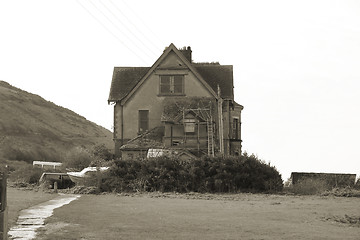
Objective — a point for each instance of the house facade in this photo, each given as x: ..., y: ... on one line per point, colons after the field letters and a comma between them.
x: 191, y: 106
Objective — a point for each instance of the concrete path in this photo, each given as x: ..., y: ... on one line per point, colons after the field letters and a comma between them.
x: 34, y: 217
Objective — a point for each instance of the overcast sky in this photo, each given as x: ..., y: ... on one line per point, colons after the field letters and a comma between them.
x: 296, y: 64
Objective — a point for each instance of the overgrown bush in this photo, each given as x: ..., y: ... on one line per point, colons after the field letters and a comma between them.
x: 233, y: 174
x: 102, y: 152
x: 26, y: 174
x: 78, y: 158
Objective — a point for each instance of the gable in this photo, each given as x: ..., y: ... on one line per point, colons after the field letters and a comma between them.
x: 172, y: 61
x: 126, y: 80
x: 190, y: 114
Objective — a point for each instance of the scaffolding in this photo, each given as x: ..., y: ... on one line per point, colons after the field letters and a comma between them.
x: 204, y: 113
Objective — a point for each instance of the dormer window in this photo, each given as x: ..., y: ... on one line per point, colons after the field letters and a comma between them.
x: 172, y: 84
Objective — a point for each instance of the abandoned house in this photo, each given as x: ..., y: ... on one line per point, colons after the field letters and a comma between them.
x: 175, y: 105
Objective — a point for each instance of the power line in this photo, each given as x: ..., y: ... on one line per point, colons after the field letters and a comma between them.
x: 127, y: 28
x: 107, y: 18
x: 134, y: 13
x: 107, y: 29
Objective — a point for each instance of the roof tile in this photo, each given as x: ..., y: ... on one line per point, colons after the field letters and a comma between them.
x: 221, y: 75
x: 124, y: 80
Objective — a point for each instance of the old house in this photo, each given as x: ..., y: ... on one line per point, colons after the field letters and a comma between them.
x: 177, y: 105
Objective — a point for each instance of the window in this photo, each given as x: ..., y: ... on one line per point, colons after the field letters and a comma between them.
x: 235, y: 128
x: 189, y: 125
x: 171, y: 84
x: 143, y: 120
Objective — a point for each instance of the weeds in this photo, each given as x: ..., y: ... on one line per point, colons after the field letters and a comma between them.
x: 350, y: 220
x: 26, y: 174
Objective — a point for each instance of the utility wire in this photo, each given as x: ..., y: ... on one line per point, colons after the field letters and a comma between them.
x: 134, y: 13
x: 127, y: 28
x: 116, y: 26
x: 107, y: 29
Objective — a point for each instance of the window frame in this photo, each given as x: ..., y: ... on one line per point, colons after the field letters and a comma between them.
x: 235, y: 128
x: 172, y: 85
x: 143, y: 120
x: 189, y: 125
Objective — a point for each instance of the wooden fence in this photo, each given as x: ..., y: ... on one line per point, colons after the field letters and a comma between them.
x: 3, y: 207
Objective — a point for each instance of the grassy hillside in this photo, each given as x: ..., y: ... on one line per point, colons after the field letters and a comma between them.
x: 32, y: 128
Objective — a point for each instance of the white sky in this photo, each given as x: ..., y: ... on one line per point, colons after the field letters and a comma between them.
x: 296, y: 64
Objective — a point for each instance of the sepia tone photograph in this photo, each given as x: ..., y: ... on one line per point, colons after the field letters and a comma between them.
x: 179, y: 120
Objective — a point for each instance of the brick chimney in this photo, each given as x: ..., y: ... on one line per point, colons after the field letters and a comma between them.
x: 186, y: 51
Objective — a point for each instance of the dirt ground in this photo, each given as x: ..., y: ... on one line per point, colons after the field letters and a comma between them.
x: 205, y: 216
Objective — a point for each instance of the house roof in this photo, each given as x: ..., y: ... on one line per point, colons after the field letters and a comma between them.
x: 126, y: 79
x: 238, y: 105
x: 215, y: 75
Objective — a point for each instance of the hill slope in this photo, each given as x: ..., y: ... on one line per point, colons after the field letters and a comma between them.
x: 32, y: 128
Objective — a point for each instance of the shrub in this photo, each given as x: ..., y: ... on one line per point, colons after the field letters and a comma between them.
x: 233, y: 174
x: 102, y: 152
x: 26, y: 174
x: 119, y: 177
x: 78, y: 158
x: 244, y: 173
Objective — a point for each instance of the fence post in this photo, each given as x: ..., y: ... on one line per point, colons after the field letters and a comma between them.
x: 3, y: 207
x: 55, y: 187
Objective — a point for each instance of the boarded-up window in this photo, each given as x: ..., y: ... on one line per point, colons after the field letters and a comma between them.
x: 143, y: 120
x: 171, y: 84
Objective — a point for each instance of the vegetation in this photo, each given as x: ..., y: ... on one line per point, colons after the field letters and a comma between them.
x: 78, y: 158
x: 22, y: 173
x: 102, y: 152
x: 173, y: 107
x: 245, y: 173
x: 33, y: 129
